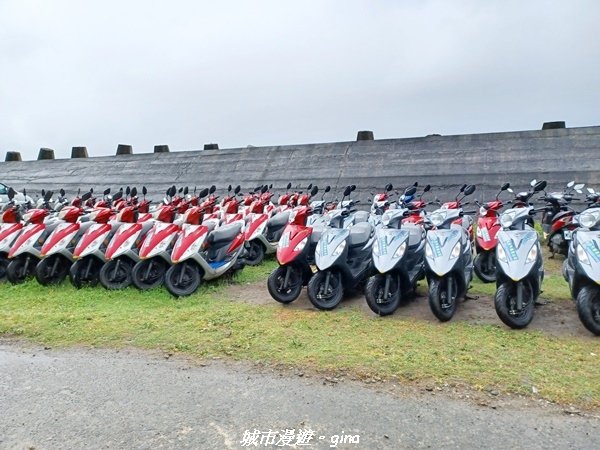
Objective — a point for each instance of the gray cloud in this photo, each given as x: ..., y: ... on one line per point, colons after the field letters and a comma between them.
x: 269, y: 72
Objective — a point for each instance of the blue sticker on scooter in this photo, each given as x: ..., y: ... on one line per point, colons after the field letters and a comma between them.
x: 593, y: 250
x: 511, y: 250
x: 217, y: 264
x: 436, y: 247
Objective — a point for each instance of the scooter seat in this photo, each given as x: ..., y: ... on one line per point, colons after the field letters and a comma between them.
x: 360, y: 234
x: 226, y: 233
x: 278, y: 220
x: 361, y: 216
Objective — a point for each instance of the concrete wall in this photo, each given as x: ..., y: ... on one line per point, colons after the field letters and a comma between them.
x: 446, y: 162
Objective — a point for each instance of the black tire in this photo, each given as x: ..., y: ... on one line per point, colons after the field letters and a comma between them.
x: 505, y: 302
x: 443, y: 307
x: 148, y: 273
x: 328, y: 300
x: 485, y: 266
x: 588, y: 308
x: 16, y: 272
x: 375, y: 293
x: 255, y: 253
x: 3, y: 265
x: 276, y: 281
x: 183, y: 279
x: 52, y: 270
x: 115, y: 274
x: 85, y: 272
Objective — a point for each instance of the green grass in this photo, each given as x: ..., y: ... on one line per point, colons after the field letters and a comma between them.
x: 349, y: 341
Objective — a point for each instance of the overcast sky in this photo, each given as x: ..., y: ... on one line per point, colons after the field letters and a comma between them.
x: 239, y: 73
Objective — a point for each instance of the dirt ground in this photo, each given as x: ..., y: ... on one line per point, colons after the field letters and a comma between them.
x: 553, y: 317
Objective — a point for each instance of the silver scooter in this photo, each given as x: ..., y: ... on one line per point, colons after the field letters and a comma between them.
x: 519, y: 267
x: 448, y: 257
x: 582, y: 266
x: 398, y: 256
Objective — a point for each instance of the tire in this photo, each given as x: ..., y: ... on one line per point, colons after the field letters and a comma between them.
x: 329, y: 300
x: 52, y: 270
x: 16, y: 272
x: 588, y: 308
x: 256, y: 253
x: 504, y: 302
x: 190, y: 280
x: 85, y: 272
x: 276, y: 280
x: 482, y: 268
x: 442, y: 307
x: 3, y: 265
x: 148, y: 273
x: 115, y: 274
x: 375, y: 290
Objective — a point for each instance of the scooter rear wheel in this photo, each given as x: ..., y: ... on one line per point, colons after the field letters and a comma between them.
x: 18, y: 270
x: 183, y: 279
x: 485, y: 266
x: 256, y: 253
x: 84, y: 272
x: 148, y: 274
x: 52, y: 270
x: 3, y: 265
x: 115, y: 274
x: 442, y: 305
x: 322, y: 296
x: 291, y: 290
x: 375, y: 294
x: 588, y: 308
x: 505, y: 303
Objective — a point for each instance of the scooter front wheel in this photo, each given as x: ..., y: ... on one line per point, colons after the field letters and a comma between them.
x: 84, y: 272
x: 285, y: 283
x: 148, y: 274
x: 507, y: 304
x: 325, y: 290
x: 182, y: 279
x: 52, y: 270
x: 588, y: 308
x: 443, y: 299
x: 115, y: 274
x: 383, y: 300
x: 485, y: 266
x: 19, y: 269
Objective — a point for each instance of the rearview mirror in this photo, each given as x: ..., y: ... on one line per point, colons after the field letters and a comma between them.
x: 118, y: 195
x: 106, y: 191
x: 462, y: 189
x: 203, y: 193
x: 144, y: 190
x: 62, y: 192
x: 347, y: 191
x: 533, y: 182
x: 469, y: 189
x: 264, y: 189
x: 309, y: 187
x: 48, y: 195
x: 352, y: 188
x: 86, y: 196
x: 570, y: 183
x: 127, y: 190
x: 505, y: 186
x: 389, y: 187
x: 186, y: 190
x: 427, y: 188
x: 134, y: 191
x: 212, y: 189
x: 410, y: 191
x: 289, y: 185
x: 229, y: 188
x: 540, y: 186
x: 11, y: 193
x: 314, y: 191
x: 327, y: 188
x: 237, y: 189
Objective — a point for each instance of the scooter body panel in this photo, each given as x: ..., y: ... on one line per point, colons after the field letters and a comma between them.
x: 487, y: 229
x: 189, y: 242
x: 389, y: 248
x: 440, y: 257
x: 331, y: 240
x: 590, y: 245
x: 158, y: 239
x: 92, y: 240
x: 292, y: 243
x: 516, y: 258
x: 8, y: 234
x: 28, y: 240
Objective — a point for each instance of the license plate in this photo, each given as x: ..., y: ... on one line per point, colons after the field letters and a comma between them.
x: 568, y: 235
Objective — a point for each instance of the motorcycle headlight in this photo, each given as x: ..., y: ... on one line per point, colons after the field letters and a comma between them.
x: 532, y: 255
x: 507, y: 219
x: 301, y: 245
x: 482, y: 211
x: 500, y: 253
x: 284, y: 241
x: 589, y: 219
x: 339, y: 249
x: 582, y: 255
x: 400, y: 251
x: 376, y: 250
x: 26, y: 217
x: 455, y: 251
x: 437, y: 218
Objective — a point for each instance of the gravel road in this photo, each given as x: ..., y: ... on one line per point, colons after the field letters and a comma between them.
x: 85, y: 398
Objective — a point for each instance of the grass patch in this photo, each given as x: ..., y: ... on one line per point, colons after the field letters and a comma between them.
x: 207, y: 324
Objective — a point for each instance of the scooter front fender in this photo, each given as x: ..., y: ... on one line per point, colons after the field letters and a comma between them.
x: 589, y: 241
x: 328, y: 244
x: 386, y: 248
x: 513, y: 250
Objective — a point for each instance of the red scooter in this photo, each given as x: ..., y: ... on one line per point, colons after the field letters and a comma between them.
x: 488, y: 225
x: 10, y: 227
x: 295, y: 254
x: 57, y: 252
